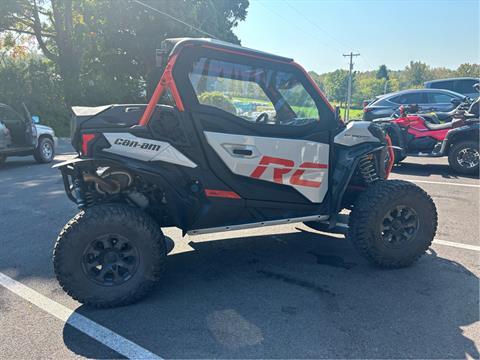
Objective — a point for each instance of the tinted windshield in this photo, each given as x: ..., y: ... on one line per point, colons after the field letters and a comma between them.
x: 249, y: 91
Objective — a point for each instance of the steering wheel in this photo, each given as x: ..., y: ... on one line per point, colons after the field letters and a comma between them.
x: 262, y: 118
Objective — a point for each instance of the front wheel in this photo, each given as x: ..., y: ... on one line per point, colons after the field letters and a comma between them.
x: 45, y: 151
x: 109, y: 255
x: 393, y: 223
x: 464, y: 157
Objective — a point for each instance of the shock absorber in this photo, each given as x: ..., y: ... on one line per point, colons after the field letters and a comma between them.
x: 367, y: 169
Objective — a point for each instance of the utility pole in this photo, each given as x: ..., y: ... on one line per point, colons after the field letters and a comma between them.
x: 349, y: 93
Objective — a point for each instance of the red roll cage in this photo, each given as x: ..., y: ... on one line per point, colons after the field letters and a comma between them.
x: 167, y: 81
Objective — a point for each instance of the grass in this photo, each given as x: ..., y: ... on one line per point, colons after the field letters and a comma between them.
x: 355, y: 114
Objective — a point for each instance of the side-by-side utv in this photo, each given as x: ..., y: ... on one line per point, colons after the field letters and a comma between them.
x: 232, y: 138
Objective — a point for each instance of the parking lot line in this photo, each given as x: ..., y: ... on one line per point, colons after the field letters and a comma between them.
x: 442, y: 183
x: 457, y: 245
x: 96, y: 331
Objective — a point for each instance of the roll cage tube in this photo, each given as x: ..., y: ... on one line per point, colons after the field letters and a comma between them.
x: 167, y: 82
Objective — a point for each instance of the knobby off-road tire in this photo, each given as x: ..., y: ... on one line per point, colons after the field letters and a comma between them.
x: 393, y: 223
x: 459, y: 155
x: 45, y: 151
x: 120, y: 238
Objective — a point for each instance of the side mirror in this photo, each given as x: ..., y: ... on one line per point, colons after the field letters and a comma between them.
x: 36, y: 119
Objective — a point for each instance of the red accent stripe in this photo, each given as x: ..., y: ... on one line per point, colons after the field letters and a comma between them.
x: 222, y: 194
x: 86, y: 138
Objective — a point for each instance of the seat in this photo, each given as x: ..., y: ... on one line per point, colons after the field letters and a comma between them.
x: 431, y: 126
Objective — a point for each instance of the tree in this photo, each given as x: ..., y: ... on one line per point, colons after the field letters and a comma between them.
x: 134, y: 32
x: 57, y: 27
x: 416, y: 73
x: 382, y: 72
x: 470, y: 70
x: 336, y: 84
x: 89, y: 40
x: 217, y: 99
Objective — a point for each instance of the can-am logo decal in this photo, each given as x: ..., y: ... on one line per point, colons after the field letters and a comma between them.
x: 285, y: 167
x: 136, y: 144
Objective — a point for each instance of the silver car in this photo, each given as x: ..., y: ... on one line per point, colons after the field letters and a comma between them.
x: 426, y: 99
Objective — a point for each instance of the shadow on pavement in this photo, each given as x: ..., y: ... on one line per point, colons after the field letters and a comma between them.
x: 416, y: 169
x: 297, y: 295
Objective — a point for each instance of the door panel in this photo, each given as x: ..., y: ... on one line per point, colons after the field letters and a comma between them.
x: 227, y: 135
x: 300, y: 164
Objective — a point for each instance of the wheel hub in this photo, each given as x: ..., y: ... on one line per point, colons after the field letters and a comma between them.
x: 468, y: 158
x: 110, y: 260
x: 399, y: 225
x: 47, y: 150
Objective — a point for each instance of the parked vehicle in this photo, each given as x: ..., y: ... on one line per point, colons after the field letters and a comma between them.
x: 468, y: 106
x: 413, y: 135
x: 427, y: 100
x: 210, y: 168
x: 461, y: 85
x: 22, y: 135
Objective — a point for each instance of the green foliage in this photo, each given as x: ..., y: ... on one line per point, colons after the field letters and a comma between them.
x: 103, y: 51
x: 382, y: 72
x: 217, y: 99
x: 34, y: 82
x: 472, y: 70
x: 417, y: 73
x: 336, y: 84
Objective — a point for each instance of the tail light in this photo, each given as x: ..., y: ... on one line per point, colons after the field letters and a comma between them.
x: 86, y: 139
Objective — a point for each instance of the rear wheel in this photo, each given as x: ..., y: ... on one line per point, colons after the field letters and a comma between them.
x: 393, y: 223
x: 45, y: 151
x: 464, y: 157
x: 109, y: 255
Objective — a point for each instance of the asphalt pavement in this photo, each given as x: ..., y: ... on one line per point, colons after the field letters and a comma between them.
x: 276, y: 292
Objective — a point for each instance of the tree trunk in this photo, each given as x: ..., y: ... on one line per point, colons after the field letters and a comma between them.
x: 68, y: 57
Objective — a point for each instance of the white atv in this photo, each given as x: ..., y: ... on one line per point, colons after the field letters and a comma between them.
x: 232, y: 138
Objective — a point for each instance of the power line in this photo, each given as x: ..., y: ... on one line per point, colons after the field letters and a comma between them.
x: 349, y: 93
x: 175, y: 19
x: 303, y: 31
x: 316, y: 25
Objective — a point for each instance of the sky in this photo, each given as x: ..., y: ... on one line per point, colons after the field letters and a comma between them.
x: 441, y: 33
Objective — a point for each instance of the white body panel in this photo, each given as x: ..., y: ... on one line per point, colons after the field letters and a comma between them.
x: 300, y: 164
x: 131, y: 146
x: 46, y: 130
x: 355, y: 133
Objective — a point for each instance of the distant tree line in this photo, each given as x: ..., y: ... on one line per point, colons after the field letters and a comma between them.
x: 368, y: 84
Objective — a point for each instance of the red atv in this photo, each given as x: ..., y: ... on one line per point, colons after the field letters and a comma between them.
x: 415, y: 134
